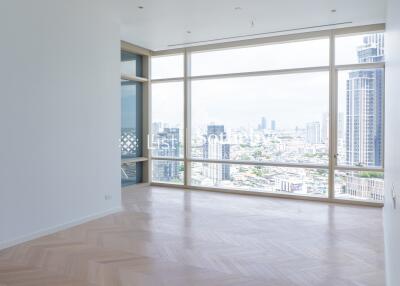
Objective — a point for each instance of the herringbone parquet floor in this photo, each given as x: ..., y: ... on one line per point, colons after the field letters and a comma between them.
x: 172, y: 237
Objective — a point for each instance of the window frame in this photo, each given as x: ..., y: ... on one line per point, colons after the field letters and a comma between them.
x: 333, y: 71
x: 143, y: 80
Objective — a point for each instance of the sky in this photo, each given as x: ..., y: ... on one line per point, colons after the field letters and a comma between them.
x: 292, y: 100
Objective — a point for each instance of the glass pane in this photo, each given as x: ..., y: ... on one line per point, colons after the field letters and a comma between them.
x: 131, y: 123
x: 282, y: 118
x: 167, y: 119
x: 360, y: 121
x: 131, y: 64
x: 167, y: 66
x: 261, y: 178
x: 364, y: 185
x: 168, y: 171
x: 367, y: 48
x: 131, y: 173
x: 266, y: 57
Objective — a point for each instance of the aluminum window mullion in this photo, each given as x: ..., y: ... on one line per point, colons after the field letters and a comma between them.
x: 246, y: 74
x: 332, y: 117
x: 273, y: 195
x: 262, y: 73
x: 236, y: 162
x: 259, y: 163
x: 147, y: 105
x: 383, y: 121
x: 187, y: 117
x: 274, y: 72
x: 359, y: 169
x: 167, y: 159
x: 361, y: 66
x: 171, y: 79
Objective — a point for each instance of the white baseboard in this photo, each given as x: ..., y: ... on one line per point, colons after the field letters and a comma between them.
x: 51, y: 230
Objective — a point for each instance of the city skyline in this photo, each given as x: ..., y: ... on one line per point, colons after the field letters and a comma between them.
x: 168, y: 93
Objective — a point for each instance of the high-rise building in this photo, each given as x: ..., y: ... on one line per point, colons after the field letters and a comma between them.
x: 167, y: 146
x: 364, y: 107
x: 215, y: 147
x: 313, y: 135
x: 340, y: 126
x: 273, y: 125
x: 372, y: 49
x: 156, y: 127
x: 263, y: 125
x: 325, y: 128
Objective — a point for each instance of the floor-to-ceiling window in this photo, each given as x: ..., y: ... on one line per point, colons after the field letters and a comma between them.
x: 360, y: 116
x: 299, y: 115
x: 167, y: 128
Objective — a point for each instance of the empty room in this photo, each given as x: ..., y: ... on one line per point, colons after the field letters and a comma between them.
x: 215, y: 143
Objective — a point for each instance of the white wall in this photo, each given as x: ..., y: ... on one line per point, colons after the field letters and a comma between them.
x: 59, y: 115
x: 392, y: 158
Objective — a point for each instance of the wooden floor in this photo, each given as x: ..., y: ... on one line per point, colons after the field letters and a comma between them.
x: 170, y: 237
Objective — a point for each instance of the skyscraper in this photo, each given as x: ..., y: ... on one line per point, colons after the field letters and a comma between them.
x: 215, y: 147
x: 273, y: 125
x: 156, y: 127
x: 364, y: 107
x: 325, y: 128
x: 168, y: 146
x: 263, y: 124
x: 340, y: 126
x: 313, y: 133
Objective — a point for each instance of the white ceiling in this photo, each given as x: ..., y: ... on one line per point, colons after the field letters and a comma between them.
x: 164, y: 24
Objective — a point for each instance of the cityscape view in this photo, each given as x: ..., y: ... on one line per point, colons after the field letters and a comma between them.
x: 295, y: 134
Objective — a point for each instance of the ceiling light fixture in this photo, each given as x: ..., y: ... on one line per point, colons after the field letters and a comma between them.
x: 140, y: 7
x: 333, y: 10
x: 189, y: 32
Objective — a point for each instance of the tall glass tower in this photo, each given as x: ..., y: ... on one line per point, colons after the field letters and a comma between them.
x: 215, y: 148
x: 364, y: 104
x: 168, y: 141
